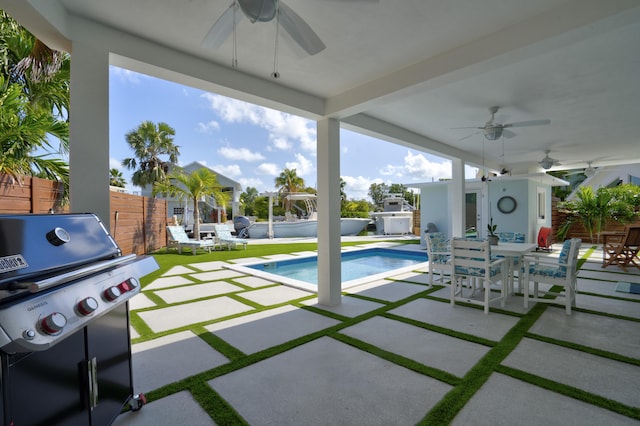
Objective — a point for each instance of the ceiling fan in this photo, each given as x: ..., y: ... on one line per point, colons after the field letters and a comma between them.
x: 493, y: 131
x: 590, y: 171
x: 264, y: 11
x: 548, y: 162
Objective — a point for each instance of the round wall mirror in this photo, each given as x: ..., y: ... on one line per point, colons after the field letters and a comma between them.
x: 507, y: 204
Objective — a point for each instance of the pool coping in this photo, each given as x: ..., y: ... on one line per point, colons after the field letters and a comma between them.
x: 313, y: 288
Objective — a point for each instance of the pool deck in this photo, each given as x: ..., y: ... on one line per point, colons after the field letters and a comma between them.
x: 232, y: 349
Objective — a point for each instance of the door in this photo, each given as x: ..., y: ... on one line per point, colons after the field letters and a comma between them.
x: 472, y: 213
x: 109, y: 354
x: 46, y: 388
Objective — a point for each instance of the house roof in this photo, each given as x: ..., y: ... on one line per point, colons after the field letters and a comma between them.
x: 225, y: 181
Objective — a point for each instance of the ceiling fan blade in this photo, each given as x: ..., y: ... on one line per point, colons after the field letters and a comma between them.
x: 528, y: 123
x: 508, y: 134
x: 223, y: 27
x: 468, y: 136
x: 299, y: 30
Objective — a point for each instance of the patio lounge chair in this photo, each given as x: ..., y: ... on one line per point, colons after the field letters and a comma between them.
x: 223, y: 234
x: 438, y: 254
x: 560, y: 272
x: 621, y: 248
x: 178, y: 238
x: 471, y: 259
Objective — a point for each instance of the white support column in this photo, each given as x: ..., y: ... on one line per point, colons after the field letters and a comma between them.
x: 329, y: 268
x: 89, y: 131
x: 458, y: 206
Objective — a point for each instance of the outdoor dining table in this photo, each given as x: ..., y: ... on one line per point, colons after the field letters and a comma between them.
x: 514, y: 252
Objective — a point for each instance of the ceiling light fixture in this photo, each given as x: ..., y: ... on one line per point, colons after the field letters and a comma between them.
x: 493, y: 133
x: 590, y: 171
x: 548, y: 162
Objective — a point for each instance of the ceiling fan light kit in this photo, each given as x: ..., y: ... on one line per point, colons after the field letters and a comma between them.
x: 493, y: 131
x: 548, y: 162
x: 263, y: 11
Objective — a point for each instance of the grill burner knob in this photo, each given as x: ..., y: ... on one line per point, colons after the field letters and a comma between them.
x: 112, y: 293
x: 58, y: 236
x: 53, y: 323
x: 133, y: 283
x: 87, y: 306
x: 124, y: 287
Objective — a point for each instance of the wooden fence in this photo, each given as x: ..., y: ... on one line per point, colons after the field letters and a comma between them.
x: 137, y: 223
x: 577, y: 230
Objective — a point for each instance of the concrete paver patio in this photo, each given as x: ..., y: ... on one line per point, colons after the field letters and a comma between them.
x: 392, y: 353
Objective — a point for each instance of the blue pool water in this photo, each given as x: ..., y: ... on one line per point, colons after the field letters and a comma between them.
x: 355, y: 264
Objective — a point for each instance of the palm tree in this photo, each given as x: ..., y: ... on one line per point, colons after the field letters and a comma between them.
x: 149, y: 142
x: 116, y: 178
x: 287, y: 183
x: 25, y: 130
x: 200, y: 183
x: 34, y: 97
x: 248, y: 200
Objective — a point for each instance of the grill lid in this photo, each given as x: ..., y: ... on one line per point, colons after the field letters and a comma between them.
x: 41, y: 245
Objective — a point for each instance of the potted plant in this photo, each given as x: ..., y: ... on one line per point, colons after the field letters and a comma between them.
x: 493, y: 237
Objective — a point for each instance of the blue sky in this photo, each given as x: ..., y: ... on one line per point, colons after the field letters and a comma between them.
x: 251, y: 144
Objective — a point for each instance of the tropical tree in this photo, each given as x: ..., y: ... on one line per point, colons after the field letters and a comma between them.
x: 377, y: 192
x: 248, y: 200
x: 200, y: 183
x: 23, y: 132
x: 594, y: 208
x: 287, y: 183
x: 116, y: 178
x: 150, y: 144
x: 34, y: 97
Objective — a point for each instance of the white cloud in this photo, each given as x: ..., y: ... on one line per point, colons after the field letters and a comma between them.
x: 284, y: 129
x: 242, y: 154
x: 357, y: 188
x: 390, y: 170
x: 115, y: 164
x: 418, y: 167
x: 303, y: 166
x: 208, y: 127
x: 270, y: 169
x: 254, y: 182
x: 229, y: 170
x: 127, y: 75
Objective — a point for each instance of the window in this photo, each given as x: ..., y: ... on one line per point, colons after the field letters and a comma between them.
x: 178, y: 210
x: 542, y: 203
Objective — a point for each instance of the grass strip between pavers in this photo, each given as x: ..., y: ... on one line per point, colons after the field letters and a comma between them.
x: 448, y: 407
x: 446, y: 331
x: 570, y: 391
x: 442, y: 413
x: 587, y: 349
x: 400, y: 360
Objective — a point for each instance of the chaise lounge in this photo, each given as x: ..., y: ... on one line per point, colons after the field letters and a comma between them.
x: 177, y: 237
x: 224, y: 237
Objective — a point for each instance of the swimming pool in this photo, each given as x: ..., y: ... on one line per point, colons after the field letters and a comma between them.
x: 358, y: 266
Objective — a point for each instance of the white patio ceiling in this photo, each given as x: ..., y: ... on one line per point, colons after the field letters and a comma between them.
x: 408, y: 71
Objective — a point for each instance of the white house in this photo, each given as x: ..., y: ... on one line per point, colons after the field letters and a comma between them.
x: 209, y: 210
x: 516, y: 204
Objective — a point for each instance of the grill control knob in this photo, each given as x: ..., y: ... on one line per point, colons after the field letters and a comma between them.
x: 112, y: 293
x: 53, y: 323
x: 124, y: 287
x: 87, y: 306
x: 133, y: 283
x: 58, y: 236
x: 29, y: 334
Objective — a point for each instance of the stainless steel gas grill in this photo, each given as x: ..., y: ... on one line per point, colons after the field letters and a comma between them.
x: 65, y: 352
